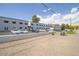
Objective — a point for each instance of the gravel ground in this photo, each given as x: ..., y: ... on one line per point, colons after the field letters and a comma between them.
x: 46, y: 45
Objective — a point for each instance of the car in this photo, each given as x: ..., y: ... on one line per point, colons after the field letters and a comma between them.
x: 51, y: 31
x: 42, y: 30
x: 18, y: 31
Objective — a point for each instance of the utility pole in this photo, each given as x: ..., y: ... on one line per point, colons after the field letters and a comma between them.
x: 70, y: 23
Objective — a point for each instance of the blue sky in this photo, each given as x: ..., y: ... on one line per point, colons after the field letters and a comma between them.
x: 26, y: 11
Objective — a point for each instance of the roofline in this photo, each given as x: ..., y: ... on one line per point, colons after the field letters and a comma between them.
x: 12, y: 18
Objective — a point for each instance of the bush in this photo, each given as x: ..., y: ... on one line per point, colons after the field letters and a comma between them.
x: 53, y: 33
x: 63, y: 33
x: 70, y: 31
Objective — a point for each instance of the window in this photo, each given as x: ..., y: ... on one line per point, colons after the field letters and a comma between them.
x: 25, y: 27
x: 40, y: 25
x: 14, y: 22
x: 31, y: 24
x: 20, y: 23
x: 6, y: 21
x: 36, y: 24
x: 26, y: 23
x: 20, y: 27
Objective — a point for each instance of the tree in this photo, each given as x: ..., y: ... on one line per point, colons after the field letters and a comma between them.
x: 35, y: 19
x: 63, y: 27
x: 67, y: 26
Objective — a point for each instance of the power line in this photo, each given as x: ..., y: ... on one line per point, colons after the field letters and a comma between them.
x: 48, y: 7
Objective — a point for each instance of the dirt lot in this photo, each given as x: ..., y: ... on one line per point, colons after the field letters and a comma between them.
x: 46, y: 45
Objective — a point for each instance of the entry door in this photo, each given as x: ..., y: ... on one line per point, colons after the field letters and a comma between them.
x: 5, y: 28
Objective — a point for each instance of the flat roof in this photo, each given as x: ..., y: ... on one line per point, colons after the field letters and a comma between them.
x: 12, y: 18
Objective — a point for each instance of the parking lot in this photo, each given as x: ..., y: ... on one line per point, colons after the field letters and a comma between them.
x: 43, y: 45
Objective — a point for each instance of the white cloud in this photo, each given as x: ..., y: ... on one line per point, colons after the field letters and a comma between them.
x: 49, y: 9
x: 44, y: 10
x: 74, y: 10
x: 55, y: 18
x: 58, y: 18
x: 73, y: 16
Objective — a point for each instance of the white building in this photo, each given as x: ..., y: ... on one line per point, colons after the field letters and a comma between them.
x: 8, y: 24
x: 40, y: 26
x: 57, y: 27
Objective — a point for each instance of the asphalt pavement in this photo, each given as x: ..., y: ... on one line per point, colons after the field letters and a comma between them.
x: 12, y: 37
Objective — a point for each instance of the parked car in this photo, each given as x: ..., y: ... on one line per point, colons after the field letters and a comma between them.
x: 18, y: 31
x: 51, y: 31
x: 42, y: 30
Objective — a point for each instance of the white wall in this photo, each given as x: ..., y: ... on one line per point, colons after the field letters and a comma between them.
x: 40, y: 27
x: 10, y: 25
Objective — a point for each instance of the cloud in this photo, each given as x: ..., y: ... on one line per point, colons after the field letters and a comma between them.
x: 44, y: 10
x: 74, y: 10
x: 58, y: 18
x: 49, y: 9
x: 74, y: 16
x: 55, y: 18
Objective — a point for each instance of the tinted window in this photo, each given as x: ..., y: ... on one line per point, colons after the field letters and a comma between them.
x: 20, y: 27
x: 14, y: 22
x: 25, y: 27
x: 20, y: 23
x: 6, y: 21
x: 31, y: 24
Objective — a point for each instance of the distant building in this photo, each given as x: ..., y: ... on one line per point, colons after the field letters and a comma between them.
x: 40, y: 26
x: 57, y: 27
x: 8, y: 24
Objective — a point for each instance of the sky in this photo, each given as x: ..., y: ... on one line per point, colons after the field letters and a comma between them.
x: 63, y: 12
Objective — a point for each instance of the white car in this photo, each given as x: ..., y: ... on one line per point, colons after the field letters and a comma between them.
x: 51, y: 30
x: 25, y: 31
x: 18, y: 31
x: 42, y: 30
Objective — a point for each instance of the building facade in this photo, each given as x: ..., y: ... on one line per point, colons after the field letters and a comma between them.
x: 8, y: 24
x: 40, y: 26
x: 57, y: 27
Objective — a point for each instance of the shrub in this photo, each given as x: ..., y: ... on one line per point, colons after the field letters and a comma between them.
x: 70, y: 31
x: 63, y: 33
x: 53, y: 33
